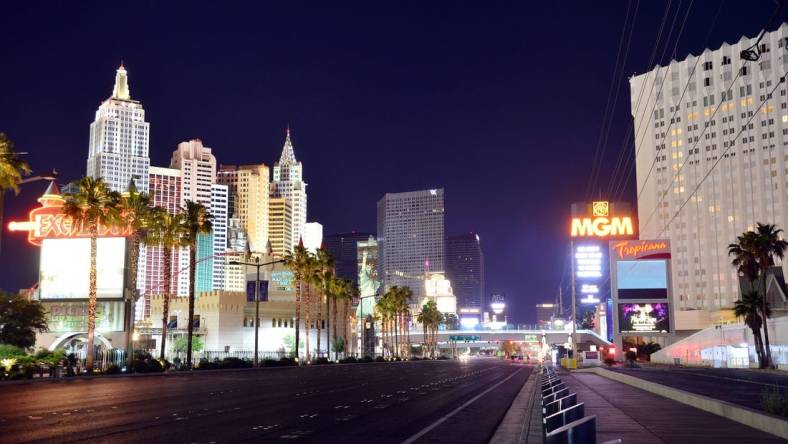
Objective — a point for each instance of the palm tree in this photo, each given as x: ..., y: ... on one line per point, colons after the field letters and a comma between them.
x: 769, y: 246
x: 749, y: 307
x: 403, y: 296
x: 92, y: 205
x: 326, y: 264
x: 167, y: 231
x: 12, y: 168
x: 430, y: 318
x: 297, y: 262
x: 196, y: 220
x: 135, y: 211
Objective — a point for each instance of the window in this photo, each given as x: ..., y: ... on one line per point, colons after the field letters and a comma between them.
x: 707, y: 65
x: 726, y: 60
x: 707, y: 81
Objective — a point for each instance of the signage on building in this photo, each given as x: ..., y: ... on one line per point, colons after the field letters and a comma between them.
x: 49, y: 222
x: 462, y: 338
x: 642, y: 249
x: 73, y: 316
x: 643, y: 318
x: 602, y: 223
x: 250, y: 293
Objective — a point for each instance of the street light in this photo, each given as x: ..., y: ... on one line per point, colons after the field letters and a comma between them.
x: 257, y: 264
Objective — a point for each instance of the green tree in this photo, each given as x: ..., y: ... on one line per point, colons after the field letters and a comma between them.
x: 451, y: 321
x: 749, y: 308
x: 196, y: 221
x: 12, y: 169
x: 135, y: 211
x: 20, y: 320
x: 167, y: 231
x: 769, y: 245
x: 92, y: 205
x: 182, y: 342
x: 298, y: 262
x: 325, y: 276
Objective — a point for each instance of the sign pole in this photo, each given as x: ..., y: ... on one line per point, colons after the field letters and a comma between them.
x: 574, y: 306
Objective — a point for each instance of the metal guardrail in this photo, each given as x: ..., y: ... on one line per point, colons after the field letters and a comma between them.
x: 563, y: 418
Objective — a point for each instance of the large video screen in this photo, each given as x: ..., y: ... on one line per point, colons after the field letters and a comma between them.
x: 65, y: 268
x: 642, y: 279
x: 643, y: 318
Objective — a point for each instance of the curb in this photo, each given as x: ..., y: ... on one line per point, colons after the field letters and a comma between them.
x: 743, y: 415
x: 183, y: 373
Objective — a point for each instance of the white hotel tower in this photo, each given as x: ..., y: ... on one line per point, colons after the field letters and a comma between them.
x: 289, y: 184
x: 726, y: 134
x: 119, y: 139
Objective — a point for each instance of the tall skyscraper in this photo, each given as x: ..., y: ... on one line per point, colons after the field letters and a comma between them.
x: 344, y: 248
x: 411, y: 238
x: 219, y: 208
x: 289, y: 184
x: 280, y: 225
x: 198, y: 184
x: 711, y: 135
x: 118, y: 149
x: 465, y: 269
x: 248, y: 192
x: 237, y: 247
x: 165, y: 189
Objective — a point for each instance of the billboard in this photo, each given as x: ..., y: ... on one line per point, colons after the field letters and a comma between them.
x: 368, y: 279
x: 73, y: 316
x: 282, y: 280
x: 642, y: 279
x: 643, y: 318
x: 65, y: 268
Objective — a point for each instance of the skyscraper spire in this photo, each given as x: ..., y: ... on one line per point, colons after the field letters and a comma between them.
x: 288, y: 155
x: 121, y: 89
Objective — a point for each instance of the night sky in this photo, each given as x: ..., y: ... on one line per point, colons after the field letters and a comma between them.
x: 501, y: 104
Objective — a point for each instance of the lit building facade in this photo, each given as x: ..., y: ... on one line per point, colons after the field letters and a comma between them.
x: 248, y: 191
x: 280, y: 225
x: 219, y: 210
x: 289, y: 183
x: 119, y: 142
x: 165, y: 189
x: 411, y: 238
x: 344, y: 248
x: 711, y: 145
x: 465, y: 270
x: 312, y: 235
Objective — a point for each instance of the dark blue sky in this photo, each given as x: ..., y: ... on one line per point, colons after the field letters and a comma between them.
x: 499, y: 103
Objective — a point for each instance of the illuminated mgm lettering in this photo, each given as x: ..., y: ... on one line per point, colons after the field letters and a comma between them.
x: 602, y: 226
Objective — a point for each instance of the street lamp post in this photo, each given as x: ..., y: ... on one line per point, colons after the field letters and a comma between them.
x: 256, y: 264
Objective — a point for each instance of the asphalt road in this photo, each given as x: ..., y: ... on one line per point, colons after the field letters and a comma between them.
x: 738, y: 386
x: 431, y: 401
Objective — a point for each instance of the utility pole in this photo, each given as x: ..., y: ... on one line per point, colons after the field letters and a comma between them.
x: 574, y: 307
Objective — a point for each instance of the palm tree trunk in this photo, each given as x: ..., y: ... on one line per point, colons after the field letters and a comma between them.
x: 168, y: 252
x: 328, y: 327
x: 346, y: 324
x: 756, y: 335
x: 424, y: 340
x: 318, y: 322
x: 190, y: 325
x: 92, y: 298
x: 298, y: 315
x: 306, y: 319
x: 131, y: 301
x: 764, y: 309
x: 336, y: 353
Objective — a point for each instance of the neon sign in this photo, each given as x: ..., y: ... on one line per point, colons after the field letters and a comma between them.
x: 631, y: 249
x: 49, y: 222
x: 602, y: 226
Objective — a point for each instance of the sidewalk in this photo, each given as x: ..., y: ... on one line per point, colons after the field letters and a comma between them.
x: 640, y: 417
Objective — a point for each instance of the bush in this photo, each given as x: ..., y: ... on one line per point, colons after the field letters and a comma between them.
x: 366, y: 359
x: 287, y: 361
x: 231, y: 362
x: 775, y: 401
x: 350, y: 360
x: 631, y: 356
x: 146, y: 365
x: 380, y: 359
x: 11, y: 351
x: 321, y: 361
x: 112, y: 370
x: 205, y: 364
x: 415, y: 358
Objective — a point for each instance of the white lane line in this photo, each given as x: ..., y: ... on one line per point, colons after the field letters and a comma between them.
x: 443, y: 419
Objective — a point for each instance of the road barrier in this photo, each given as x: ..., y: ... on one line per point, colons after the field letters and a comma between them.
x: 563, y: 418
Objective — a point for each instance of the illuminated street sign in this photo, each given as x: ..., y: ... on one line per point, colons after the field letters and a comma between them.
x: 602, y: 226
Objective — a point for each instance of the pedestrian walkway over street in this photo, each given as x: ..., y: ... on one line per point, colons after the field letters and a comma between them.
x: 640, y: 417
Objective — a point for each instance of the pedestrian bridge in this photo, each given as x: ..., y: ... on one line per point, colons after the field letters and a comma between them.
x: 492, y: 338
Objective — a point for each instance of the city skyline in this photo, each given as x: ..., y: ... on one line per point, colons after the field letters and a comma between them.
x: 359, y: 140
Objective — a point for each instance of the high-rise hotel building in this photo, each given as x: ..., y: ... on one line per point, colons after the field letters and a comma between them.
x: 280, y: 226
x: 289, y: 183
x: 118, y: 148
x: 248, y: 200
x: 411, y: 239
x: 465, y: 270
x: 711, y: 136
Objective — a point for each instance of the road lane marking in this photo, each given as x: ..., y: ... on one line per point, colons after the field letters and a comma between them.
x: 443, y: 419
